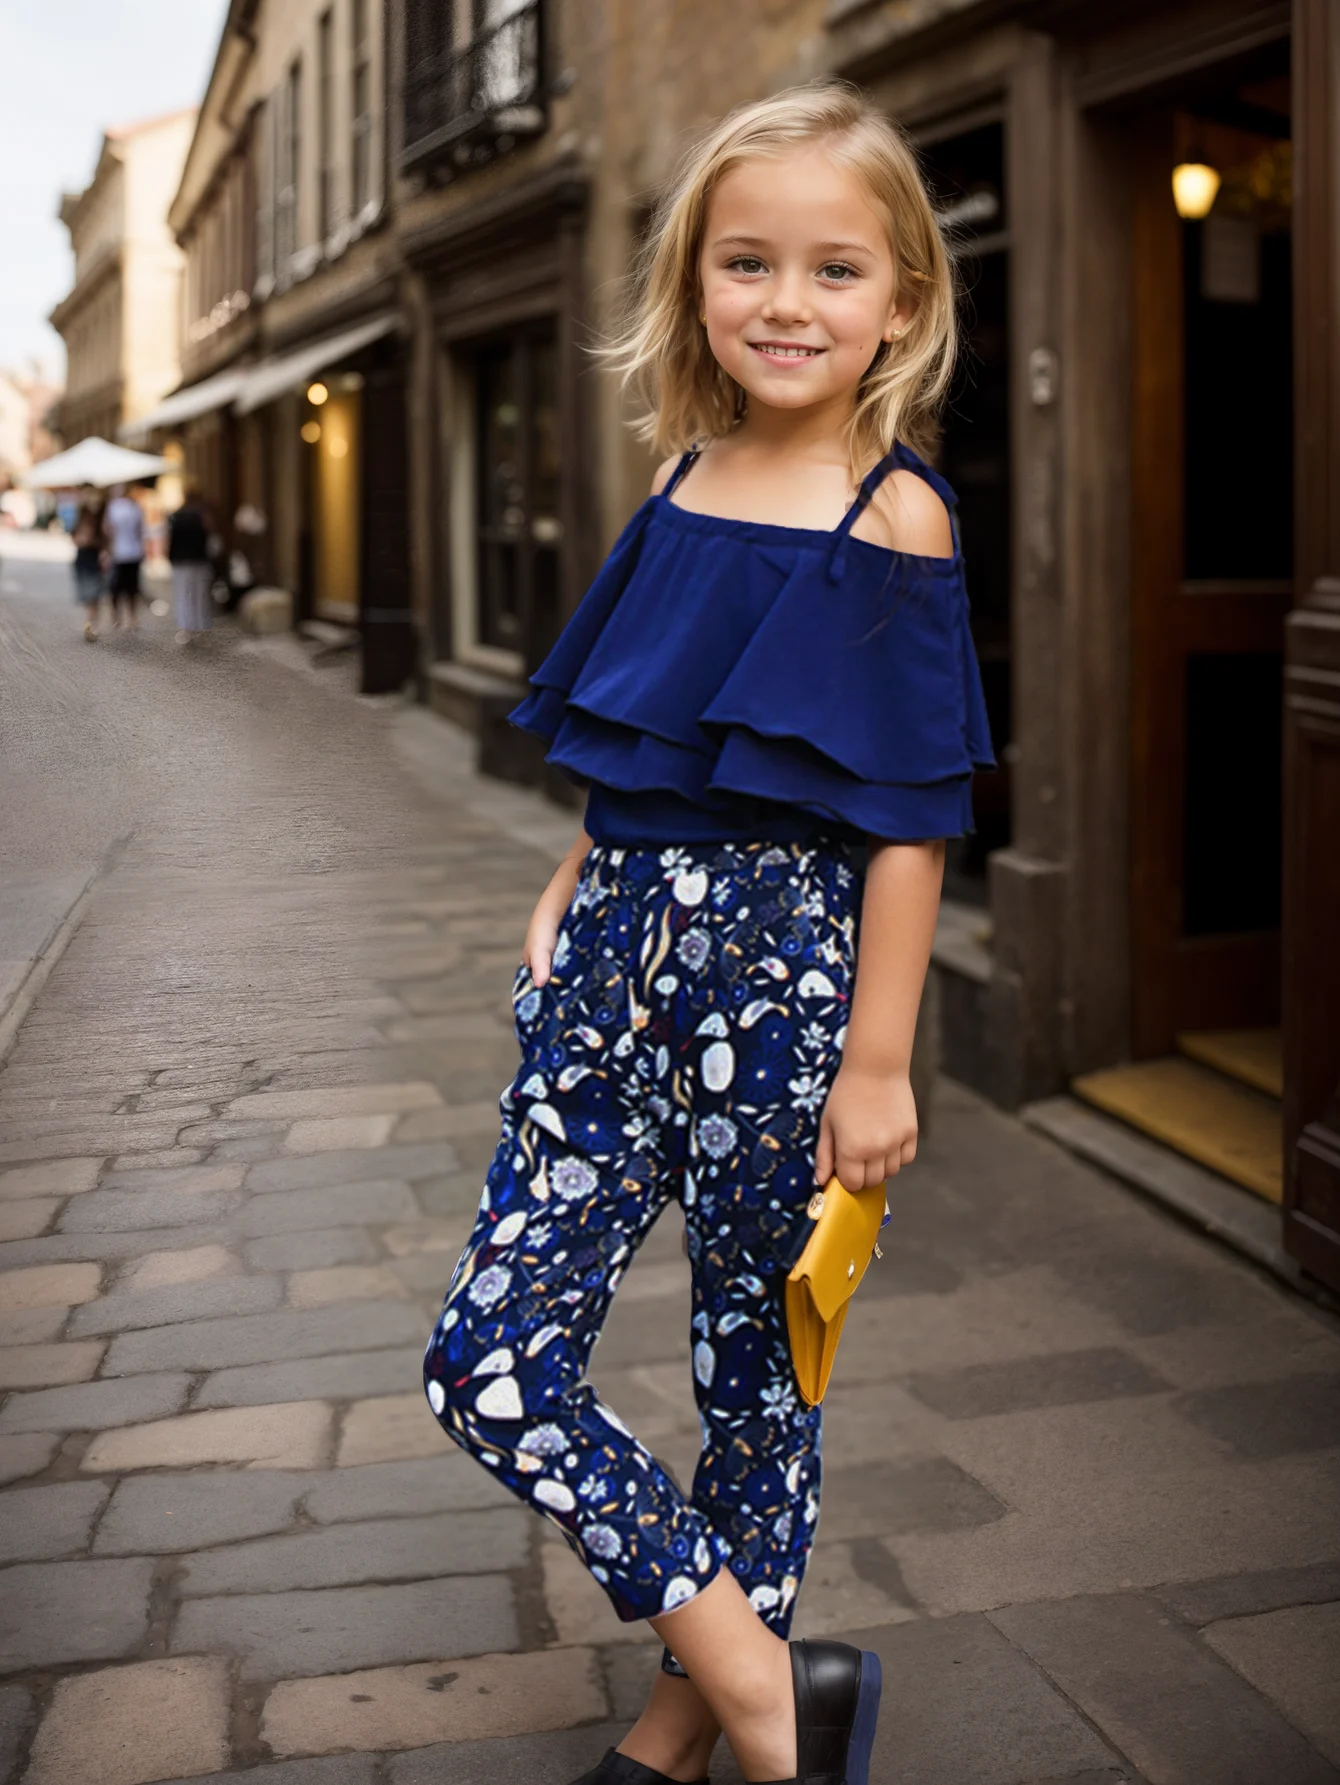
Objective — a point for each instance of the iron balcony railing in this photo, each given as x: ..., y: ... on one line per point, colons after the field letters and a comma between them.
x: 461, y: 99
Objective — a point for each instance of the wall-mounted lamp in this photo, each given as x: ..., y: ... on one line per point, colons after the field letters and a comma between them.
x: 311, y: 432
x: 317, y: 394
x: 1195, y: 187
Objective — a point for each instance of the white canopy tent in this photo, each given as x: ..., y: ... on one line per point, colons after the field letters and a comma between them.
x: 94, y: 461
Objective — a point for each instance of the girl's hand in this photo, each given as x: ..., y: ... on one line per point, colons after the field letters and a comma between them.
x: 542, y: 931
x: 868, y: 1130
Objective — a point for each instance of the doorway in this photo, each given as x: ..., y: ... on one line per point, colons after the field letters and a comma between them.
x: 966, y: 173
x: 1212, y: 532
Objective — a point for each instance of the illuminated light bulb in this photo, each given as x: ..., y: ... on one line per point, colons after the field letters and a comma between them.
x: 317, y: 394
x: 1195, y: 188
x: 311, y: 432
x: 338, y: 447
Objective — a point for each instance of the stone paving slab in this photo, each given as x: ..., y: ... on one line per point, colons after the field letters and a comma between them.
x: 1292, y: 1657
x: 411, y: 1707
x: 48, y: 1366
x: 552, y: 1759
x: 126, y: 1211
x: 1244, y: 1595
x: 177, y: 1302
x: 162, y: 1514
x: 363, y: 1202
x: 16, y: 1716
x: 131, y: 1725
x: 57, y: 1612
x: 337, y: 1629
x: 456, y: 1543
x: 451, y: 1482
x: 32, y: 1326
x: 265, y: 1338
x: 43, y: 1523
x: 289, y: 1435
x: 356, y: 1375
x: 310, y: 1248
x: 1160, y: 1695
x: 337, y: 1769
x: 27, y: 1455
x: 96, y: 1406
x: 350, y: 1168
x: 25, y: 1220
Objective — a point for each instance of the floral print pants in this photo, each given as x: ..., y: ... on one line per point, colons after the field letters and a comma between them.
x: 682, y: 1048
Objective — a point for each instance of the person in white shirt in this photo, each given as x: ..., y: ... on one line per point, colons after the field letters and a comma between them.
x: 123, y: 524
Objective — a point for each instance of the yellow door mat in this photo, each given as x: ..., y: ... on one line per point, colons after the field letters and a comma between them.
x: 1208, y: 1118
x: 1254, y: 1056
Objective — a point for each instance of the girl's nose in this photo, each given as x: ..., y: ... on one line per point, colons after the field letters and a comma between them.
x: 787, y: 299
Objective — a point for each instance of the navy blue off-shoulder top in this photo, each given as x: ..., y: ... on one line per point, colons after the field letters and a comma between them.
x: 727, y: 680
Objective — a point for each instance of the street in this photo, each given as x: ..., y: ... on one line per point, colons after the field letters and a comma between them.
x: 1082, y: 1466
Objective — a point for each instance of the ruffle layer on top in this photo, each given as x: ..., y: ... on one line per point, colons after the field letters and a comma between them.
x: 725, y: 669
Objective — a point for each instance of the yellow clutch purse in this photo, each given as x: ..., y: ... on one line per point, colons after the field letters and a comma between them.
x: 827, y: 1275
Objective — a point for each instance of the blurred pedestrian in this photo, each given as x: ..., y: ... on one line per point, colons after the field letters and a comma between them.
x: 189, y: 531
x: 771, y: 693
x: 123, y: 527
x: 90, y: 581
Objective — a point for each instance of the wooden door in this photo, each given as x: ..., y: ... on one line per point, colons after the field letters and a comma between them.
x: 1312, y: 776
x: 1211, y: 566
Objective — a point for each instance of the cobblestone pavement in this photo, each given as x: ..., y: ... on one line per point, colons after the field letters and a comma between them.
x: 1081, y: 1466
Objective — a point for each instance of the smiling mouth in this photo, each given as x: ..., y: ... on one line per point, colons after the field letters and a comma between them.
x: 785, y: 350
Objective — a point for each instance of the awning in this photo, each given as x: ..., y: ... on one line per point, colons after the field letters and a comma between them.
x: 94, y: 461
x: 266, y: 382
x: 185, y: 405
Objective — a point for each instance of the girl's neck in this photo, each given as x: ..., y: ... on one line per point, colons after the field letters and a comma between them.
x: 818, y: 434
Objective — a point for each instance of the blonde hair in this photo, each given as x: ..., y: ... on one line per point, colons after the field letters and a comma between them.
x: 662, y: 354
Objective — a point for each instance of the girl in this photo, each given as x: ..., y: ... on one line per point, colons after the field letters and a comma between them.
x: 771, y: 679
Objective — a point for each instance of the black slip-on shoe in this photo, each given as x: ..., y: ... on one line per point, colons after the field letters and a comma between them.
x: 618, y: 1769
x: 837, y: 1692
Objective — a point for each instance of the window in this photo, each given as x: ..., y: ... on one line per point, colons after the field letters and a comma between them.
x: 473, y: 78
x: 265, y: 199
x: 289, y: 170
x: 325, y: 169
x: 517, y: 494
x: 361, y: 106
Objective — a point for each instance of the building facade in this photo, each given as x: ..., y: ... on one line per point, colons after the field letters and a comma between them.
x: 291, y: 408
x: 1148, y: 910
x: 528, y: 139
x: 119, y: 320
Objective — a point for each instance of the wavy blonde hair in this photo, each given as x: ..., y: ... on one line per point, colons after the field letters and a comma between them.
x: 661, y: 352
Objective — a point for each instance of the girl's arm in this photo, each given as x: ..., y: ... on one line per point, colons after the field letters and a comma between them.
x: 869, y: 1126
x: 542, y: 930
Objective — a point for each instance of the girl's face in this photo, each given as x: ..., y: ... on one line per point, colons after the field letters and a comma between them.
x: 798, y: 280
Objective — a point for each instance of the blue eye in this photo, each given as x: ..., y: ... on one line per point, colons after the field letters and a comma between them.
x: 838, y: 271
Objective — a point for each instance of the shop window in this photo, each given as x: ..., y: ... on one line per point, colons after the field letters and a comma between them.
x: 966, y: 173
x: 517, y: 530
x: 473, y: 79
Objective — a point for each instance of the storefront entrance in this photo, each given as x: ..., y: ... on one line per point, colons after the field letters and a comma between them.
x: 1212, y: 567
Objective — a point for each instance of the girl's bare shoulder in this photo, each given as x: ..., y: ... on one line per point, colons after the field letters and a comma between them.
x: 906, y: 515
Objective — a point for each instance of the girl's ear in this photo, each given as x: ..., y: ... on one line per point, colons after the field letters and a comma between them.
x: 897, y: 325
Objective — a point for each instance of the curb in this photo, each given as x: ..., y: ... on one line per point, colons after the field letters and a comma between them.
x: 15, y: 1005
x: 1201, y: 1198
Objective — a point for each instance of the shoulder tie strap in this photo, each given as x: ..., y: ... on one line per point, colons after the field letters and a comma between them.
x: 680, y: 471
x: 873, y: 478
x: 898, y: 459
